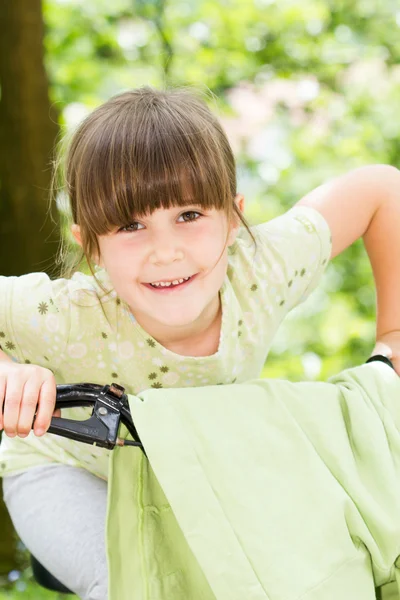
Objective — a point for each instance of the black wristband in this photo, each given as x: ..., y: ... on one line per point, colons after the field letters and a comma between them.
x: 380, y: 358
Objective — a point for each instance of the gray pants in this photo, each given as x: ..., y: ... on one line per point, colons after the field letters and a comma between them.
x: 59, y: 513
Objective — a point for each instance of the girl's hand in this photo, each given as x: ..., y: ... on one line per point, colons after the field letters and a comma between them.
x: 389, y: 345
x: 23, y: 389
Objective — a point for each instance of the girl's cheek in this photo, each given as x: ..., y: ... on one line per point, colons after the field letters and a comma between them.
x: 203, y: 233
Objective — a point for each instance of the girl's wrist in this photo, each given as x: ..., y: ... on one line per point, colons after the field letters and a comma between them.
x: 389, y: 338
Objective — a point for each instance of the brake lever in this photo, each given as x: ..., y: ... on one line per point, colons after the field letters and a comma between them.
x: 110, y: 409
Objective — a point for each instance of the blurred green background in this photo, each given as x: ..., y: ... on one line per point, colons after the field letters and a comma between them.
x: 305, y: 91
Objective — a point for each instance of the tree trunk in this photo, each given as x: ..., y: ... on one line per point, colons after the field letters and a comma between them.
x: 8, y: 541
x: 28, y: 129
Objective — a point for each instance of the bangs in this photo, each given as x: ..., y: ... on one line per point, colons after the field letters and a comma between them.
x: 147, y: 157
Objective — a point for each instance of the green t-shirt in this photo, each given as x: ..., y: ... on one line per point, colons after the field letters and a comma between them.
x: 84, y: 335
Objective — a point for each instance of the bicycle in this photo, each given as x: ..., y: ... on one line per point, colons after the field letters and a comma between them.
x: 110, y: 409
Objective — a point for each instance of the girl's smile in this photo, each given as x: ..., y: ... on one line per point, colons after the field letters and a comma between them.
x: 166, y: 286
x: 168, y: 267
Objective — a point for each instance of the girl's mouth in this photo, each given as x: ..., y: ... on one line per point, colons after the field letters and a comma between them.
x: 168, y: 289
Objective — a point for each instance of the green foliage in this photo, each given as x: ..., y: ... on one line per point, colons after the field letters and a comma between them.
x: 27, y: 589
x: 20, y: 584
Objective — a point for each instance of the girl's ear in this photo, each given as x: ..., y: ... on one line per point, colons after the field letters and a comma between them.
x: 76, y: 232
x: 239, y: 201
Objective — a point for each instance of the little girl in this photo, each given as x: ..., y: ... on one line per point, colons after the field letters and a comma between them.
x: 182, y: 293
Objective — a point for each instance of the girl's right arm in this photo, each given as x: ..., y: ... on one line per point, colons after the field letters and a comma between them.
x: 23, y: 388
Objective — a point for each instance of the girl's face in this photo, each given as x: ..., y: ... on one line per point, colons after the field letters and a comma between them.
x: 170, y: 245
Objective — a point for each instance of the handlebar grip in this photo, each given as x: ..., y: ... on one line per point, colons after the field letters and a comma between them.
x: 89, y: 430
x: 380, y: 358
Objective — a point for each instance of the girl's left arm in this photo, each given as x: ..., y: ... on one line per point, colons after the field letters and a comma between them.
x: 366, y: 203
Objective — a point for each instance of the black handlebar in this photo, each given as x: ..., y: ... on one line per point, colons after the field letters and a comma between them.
x: 110, y: 409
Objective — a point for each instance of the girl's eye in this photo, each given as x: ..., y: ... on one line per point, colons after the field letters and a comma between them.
x: 191, y: 216
x: 130, y: 227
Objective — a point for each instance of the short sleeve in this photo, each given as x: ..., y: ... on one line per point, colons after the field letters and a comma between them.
x: 292, y: 253
x: 34, y: 318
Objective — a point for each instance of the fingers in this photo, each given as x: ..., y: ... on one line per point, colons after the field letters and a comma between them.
x: 46, y: 403
x: 28, y: 405
x: 12, y: 399
x: 25, y: 391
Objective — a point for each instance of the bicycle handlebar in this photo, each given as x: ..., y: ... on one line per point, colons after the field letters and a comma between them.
x: 110, y: 409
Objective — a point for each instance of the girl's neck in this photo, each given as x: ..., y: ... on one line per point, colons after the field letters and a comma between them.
x: 199, y: 340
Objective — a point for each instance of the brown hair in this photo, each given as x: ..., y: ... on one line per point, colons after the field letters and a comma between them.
x: 142, y: 150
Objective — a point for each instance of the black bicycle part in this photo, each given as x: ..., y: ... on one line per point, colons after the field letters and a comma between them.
x: 45, y: 579
x: 380, y: 358
x: 110, y: 409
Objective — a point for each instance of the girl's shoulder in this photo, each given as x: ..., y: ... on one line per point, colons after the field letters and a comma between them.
x: 81, y: 289
x: 284, y: 261
x: 39, y: 316
x: 31, y: 289
x: 293, y: 232
x: 297, y: 222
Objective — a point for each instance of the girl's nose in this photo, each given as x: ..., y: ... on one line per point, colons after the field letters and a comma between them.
x: 165, y: 250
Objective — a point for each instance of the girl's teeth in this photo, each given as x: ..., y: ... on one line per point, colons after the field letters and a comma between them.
x: 169, y: 283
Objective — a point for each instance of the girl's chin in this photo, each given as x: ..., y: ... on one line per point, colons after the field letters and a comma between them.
x: 169, y: 316
x: 179, y: 320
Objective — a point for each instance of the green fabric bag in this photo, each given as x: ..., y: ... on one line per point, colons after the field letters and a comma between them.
x: 262, y: 490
